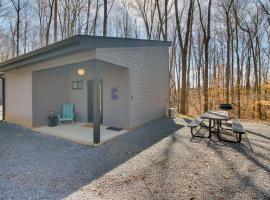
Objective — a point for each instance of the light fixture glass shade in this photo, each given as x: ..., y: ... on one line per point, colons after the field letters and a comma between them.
x: 81, y: 71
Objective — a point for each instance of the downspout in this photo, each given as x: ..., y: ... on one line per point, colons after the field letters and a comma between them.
x: 3, y: 96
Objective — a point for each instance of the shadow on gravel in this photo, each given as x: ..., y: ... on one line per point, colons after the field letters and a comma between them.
x: 243, y: 149
x: 258, y: 134
x: 254, y: 157
x: 259, y: 159
x: 45, y: 167
x: 245, y: 180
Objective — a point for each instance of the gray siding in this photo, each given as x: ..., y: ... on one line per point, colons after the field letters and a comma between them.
x: 53, y: 87
x: 148, y: 80
x: 115, y: 112
x: 19, y: 86
x: 1, y: 89
x: 50, y: 92
x: 142, y: 84
x: 19, y: 96
x: 75, y: 44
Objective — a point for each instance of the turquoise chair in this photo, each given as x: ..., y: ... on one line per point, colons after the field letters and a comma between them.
x: 67, y: 114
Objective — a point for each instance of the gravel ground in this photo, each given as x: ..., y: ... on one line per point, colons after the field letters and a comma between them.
x: 156, y: 161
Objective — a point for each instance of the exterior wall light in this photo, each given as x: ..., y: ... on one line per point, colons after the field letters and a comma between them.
x: 81, y: 72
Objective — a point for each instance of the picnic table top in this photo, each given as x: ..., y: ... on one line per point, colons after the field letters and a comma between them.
x: 216, y: 115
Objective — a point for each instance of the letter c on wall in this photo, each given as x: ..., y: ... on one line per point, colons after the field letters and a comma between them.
x: 114, y: 93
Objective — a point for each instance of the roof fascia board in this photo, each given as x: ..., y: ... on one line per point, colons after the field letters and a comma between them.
x: 41, y: 57
x: 75, y: 44
x: 97, y: 42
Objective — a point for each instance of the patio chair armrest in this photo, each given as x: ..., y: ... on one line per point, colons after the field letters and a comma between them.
x: 73, y: 115
x: 59, y: 117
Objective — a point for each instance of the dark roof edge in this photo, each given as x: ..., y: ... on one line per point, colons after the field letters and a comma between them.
x: 163, y: 43
x: 54, y: 46
x: 76, y: 40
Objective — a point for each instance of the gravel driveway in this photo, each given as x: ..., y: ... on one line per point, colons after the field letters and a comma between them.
x: 156, y: 161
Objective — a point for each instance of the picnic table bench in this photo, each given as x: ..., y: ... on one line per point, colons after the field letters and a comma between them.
x: 216, y: 117
x: 197, y: 122
x: 238, y: 128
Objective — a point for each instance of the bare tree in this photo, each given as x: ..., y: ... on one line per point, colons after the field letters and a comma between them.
x: 266, y: 9
x: 227, y: 9
x: 236, y: 15
x: 184, y: 43
x: 125, y: 20
x: 105, y: 17
x: 106, y: 13
x: 18, y: 6
x: 55, y: 20
x: 163, y: 18
x: 89, y: 2
x: 218, y: 54
x: 94, y: 26
x: 50, y: 5
x: 26, y: 21
x: 147, y: 10
x: 206, y: 39
x: 166, y: 20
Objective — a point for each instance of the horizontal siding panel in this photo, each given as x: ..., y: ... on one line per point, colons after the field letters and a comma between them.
x: 115, y: 112
x: 148, y: 80
x: 19, y: 86
x: 19, y: 96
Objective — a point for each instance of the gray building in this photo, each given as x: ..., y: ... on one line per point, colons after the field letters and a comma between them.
x: 1, y: 92
x: 133, y: 78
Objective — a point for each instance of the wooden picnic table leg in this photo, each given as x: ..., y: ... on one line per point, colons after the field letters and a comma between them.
x: 210, y: 131
x: 218, y: 128
x: 239, y: 138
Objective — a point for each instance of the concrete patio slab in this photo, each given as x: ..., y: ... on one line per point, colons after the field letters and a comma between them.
x: 79, y: 132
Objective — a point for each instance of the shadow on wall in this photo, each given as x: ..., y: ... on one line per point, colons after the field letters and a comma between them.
x: 71, y: 166
x: 1, y: 91
x: 1, y: 112
x: 1, y: 100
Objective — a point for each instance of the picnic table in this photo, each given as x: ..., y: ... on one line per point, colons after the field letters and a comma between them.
x: 216, y: 117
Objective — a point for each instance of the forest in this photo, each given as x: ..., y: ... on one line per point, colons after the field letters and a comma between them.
x: 220, y: 49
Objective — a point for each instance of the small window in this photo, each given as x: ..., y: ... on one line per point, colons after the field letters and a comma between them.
x: 77, y: 85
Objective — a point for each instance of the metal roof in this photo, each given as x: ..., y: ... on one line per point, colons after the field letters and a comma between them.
x: 75, y: 44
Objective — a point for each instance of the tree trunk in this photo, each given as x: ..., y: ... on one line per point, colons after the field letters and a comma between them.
x: 166, y: 21
x: 228, y: 51
x: 206, y: 39
x: 232, y: 66
x: 184, y: 50
x: 238, y: 65
x: 94, y: 26
x: 55, y: 20
x: 228, y: 67
x: 49, y: 23
x: 18, y: 29
x: 105, y: 18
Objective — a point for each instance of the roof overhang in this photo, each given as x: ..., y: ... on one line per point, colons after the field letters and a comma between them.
x: 75, y: 44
